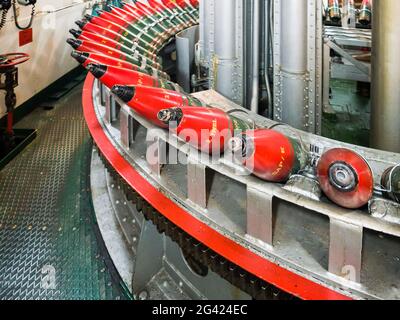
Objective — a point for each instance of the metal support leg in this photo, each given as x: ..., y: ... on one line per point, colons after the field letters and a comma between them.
x: 125, y: 128
x: 259, y: 215
x: 345, y: 252
x: 156, y: 154
x: 197, y: 188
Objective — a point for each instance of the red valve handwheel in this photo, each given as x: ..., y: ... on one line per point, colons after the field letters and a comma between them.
x: 13, y: 59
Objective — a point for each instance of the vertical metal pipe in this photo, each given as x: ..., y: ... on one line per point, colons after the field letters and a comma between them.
x: 294, y: 18
x: 225, y: 45
x: 202, y: 16
x: 385, y: 123
x: 256, y: 56
x: 204, y: 42
x: 267, y: 18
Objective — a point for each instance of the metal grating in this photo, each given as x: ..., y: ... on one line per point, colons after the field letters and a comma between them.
x: 49, y: 242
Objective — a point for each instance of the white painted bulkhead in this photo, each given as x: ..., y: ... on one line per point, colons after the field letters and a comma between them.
x: 49, y: 53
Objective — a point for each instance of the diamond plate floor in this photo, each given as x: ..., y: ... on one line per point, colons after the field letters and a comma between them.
x: 50, y: 246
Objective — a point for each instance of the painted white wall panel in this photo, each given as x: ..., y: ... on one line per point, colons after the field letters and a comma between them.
x: 50, y: 55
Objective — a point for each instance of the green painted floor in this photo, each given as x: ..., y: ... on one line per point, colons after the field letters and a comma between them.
x: 350, y: 120
x: 50, y: 246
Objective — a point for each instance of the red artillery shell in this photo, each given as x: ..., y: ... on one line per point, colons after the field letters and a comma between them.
x: 111, y: 76
x: 184, y: 4
x: 180, y: 7
x: 346, y: 178
x: 142, y: 7
x: 390, y: 181
x: 128, y: 14
x: 94, y: 37
x: 106, y: 24
x: 152, y: 12
x: 269, y: 155
x: 207, y: 129
x: 130, y: 25
x: 85, y: 58
x: 156, y: 5
x: 334, y: 10
x: 145, y: 22
x: 172, y: 4
x: 141, y: 20
x: 90, y: 46
x: 121, y: 21
x: 115, y: 75
x: 162, y: 8
x: 212, y: 129
x: 121, y: 30
x: 366, y: 12
x: 149, y: 101
x: 125, y: 14
x: 96, y: 29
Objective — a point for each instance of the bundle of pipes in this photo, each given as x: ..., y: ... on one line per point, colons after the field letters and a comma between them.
x: 120, y: 49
